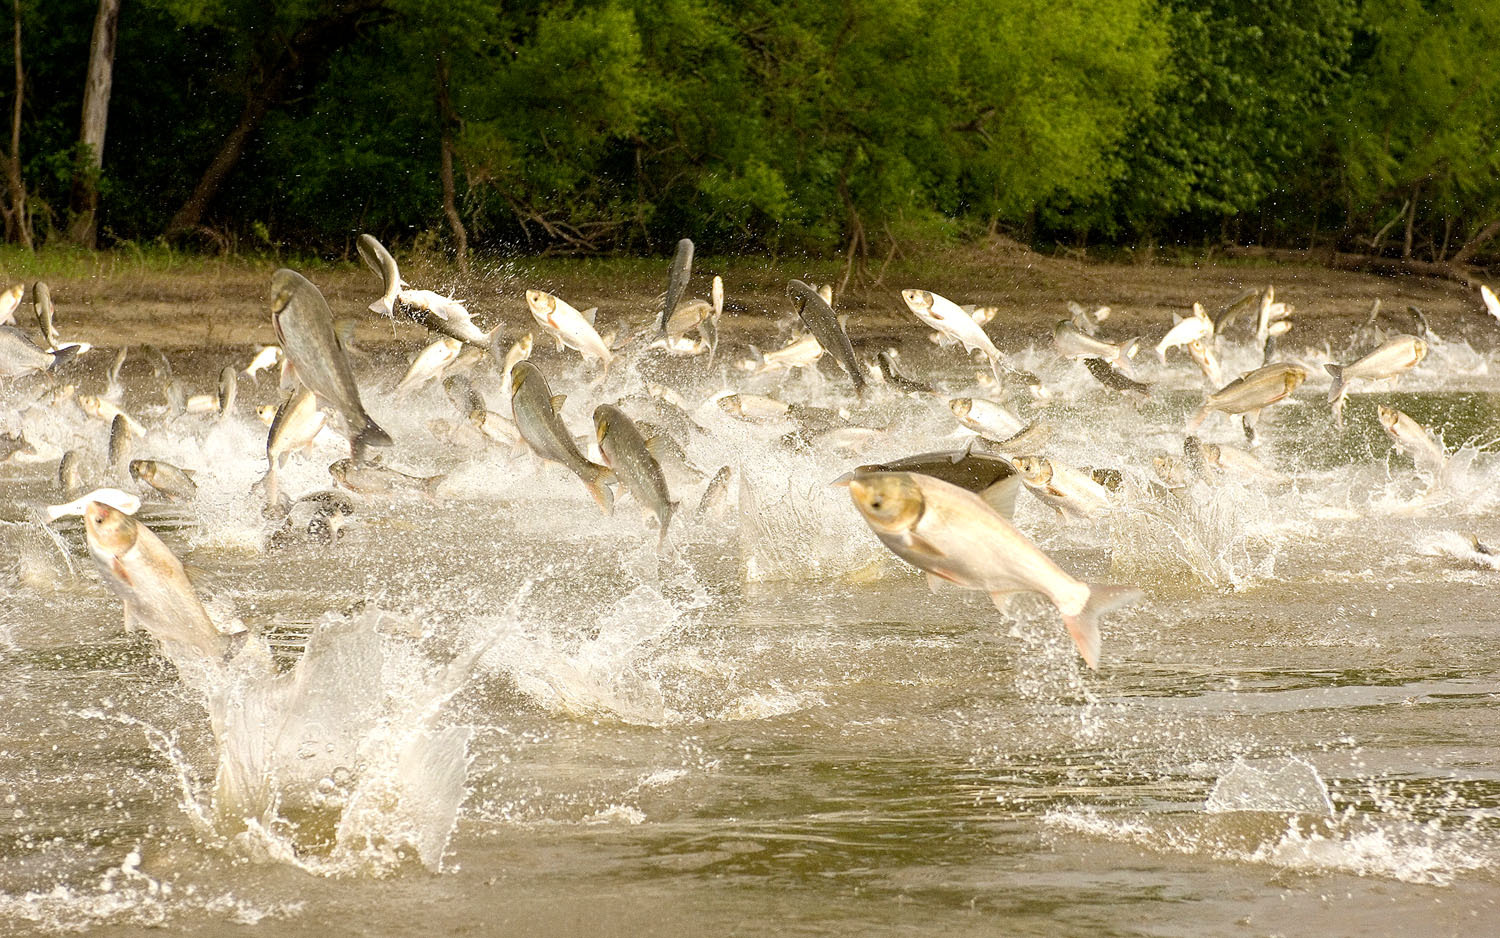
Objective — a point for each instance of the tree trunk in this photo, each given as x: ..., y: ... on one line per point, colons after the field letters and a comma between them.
x: 449, y: 121
x: 17, y: 224
x: 84, y: 208
x: 1364, y: 263
x: 312, y: 45
x: 1485, y: 235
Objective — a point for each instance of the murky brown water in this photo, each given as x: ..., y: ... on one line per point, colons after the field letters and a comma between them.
x: 1294, y: 734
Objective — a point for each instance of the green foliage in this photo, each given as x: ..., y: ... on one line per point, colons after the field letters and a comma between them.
x: 590, y: 126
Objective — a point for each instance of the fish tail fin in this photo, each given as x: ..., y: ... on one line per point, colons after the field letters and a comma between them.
x: 1084, y: 627
x: 997, y: 368
x: 1129, y: 349
x: 1198, y: 418
x: 64, y: 355
x: 371, y: 435
x: 666, y: 519
x: 431, y: 484
x: 1339, y: 384
x: 385, y: 306
x: 597, y: 478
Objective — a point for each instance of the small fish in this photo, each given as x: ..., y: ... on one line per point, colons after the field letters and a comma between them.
x: 688, y: 316
x: 520, y: 351
x: 1231, y: 312
x: 378, y: 480
x: 10, y: 301
x: 1413, y: 439
x: 229, y: 389
x: 114, y: 498
x: 1222, y: 457
x: 1395, y: 357
x: 799, y: 353
x: 114, y: 388
x: 677, y: 282
x: 101, y: 409
x: 948, y: 319
x: 429, y: 365
x: 304, y: 324
x: 1071, y: 342
x: 384, y: 265
x: 1111, y: 378
x: 1072, y: 493
x: 119, y: 442
x: 1491, y: 302
x: 753, y: 407
x: 41, y: 303
x: 460, y: 391
x: 13, y: 444
x: 627, y: 452
x: 890, y: 370
x: 569, y: 326
x: 1208, y: 362
x: 952, y: 535
x: 537, y: 416
x: 1087, y: 323
x: 201, y: 404
x: 1252, y: 392
x: 819, y: 317
x: 69, y: 478
x: 986, y: 418
x: 176, y: 484
x: 295, y: 425
x: 151, y: 583
x: 266, y: 357
x: 1195, y: 328
x: 715, y: 496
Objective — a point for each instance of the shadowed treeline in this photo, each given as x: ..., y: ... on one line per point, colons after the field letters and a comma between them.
x: 1364, y: 130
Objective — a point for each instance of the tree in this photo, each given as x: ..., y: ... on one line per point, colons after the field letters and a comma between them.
x: 17, y: 219
x: 83, y: 227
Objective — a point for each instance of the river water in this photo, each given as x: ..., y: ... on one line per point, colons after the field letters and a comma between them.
x: 497, y: 711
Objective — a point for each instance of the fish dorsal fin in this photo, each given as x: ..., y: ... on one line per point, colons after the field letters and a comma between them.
x: 558, y: 400
x: 589, y: 314
x: 1176, y: 319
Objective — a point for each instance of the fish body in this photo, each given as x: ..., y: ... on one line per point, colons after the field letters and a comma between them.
x: 1394, y: 357
x: 753, y: 407
x: 114, y: 498
x: 627, y: 452
x: 10, y: 301
x: 890, y: 370
x: 799, y: 353
x: 689, y: 316
x: 150, y: 582
x: 537, y: 417
x: 1195, y: 328
x: 1491, y: 302
x: 46, y: 315
x: 176, y: 484
x: 994, y: 480
x: 304, y: 326
x: 1072, y: 342
x: 14, y: 444
x: 1207, y: 359
x: 953, y: 535
x: 69, y: 476
x: 119, y: 442
x: 1072, y: 493
x: 267, y: 357
x: 1413, y: 439
x: 444, y: 315
x: 824, y: 325
x: 986, y: 418
x: 429, y: 364
x: 378, y: 480
x: 1253, y: 391
x: 568, y: 325
x: 101, y: 409
x: 19, y: 356
x: 948, y: 318
x: 716, y: 494
x: 1110, y: 377
x: 677, y: 282
x: 384, y: 265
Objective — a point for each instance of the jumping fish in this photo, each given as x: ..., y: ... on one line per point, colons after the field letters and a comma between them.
x: 1207, y: 360
x: 1252, y: 392
x: 429, y: 365
x: 41, y: 303
x: 541, y: 427
x: 1072, y: 493
x: 952, y: 535
x: 568, y: 325
x: 304, y: 325
x: 19, y: 356
x: 985, y: 417
x: 150, y: 582
x: 799, y: 353
x: 677, y: 282
x: 114, y: 498
x: 1110, y: 377
x: 1396, y: 356
x: 1071, y: 342
x: 229, y: 389
x: 890, y: 369
x: 627, y: 452
x: 993, y: 479
x: 176, y: 484
x: 824, y: 325
x: 266, y: 357
x: 378, y: 480
x: 119, y: 442
x: 1491, y: 302
x: 384, y: 265
x: 1413, y: 439
x: 1195, y: 328
x: 949, y: 319
x: 10, y: 301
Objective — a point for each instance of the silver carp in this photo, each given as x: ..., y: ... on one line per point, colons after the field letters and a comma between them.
x: 541, y: 427
x: 819, y: 317
x: 627, y: 452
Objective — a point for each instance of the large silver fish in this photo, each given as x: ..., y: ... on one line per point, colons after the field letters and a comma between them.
x: 824, y: 325
x: 536, y: 415
x: 150, y: 581
x: 20, y: 356
x: 384, y: 265
x: 304, y: 326
x: 952, y: 535
x: 1251, y: 392
x: 677, y: 282
x: 993, y: 479
x: 1394, y: 357
x: 628, y: 454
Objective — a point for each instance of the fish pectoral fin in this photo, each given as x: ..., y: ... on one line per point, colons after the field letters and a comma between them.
x: 519, y: 448
x: 1002, y: 598
x: 925, y: 548
x: 557, y: 402
x: 130, y: 623
x: 590, y: 313
x: 118, y: 569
